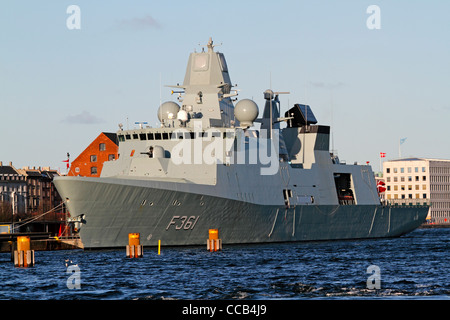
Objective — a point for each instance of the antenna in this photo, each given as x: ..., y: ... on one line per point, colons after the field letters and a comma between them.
x: 160, y: 97
x: 332, y: 125
x: 209, y: 45
x: 141, y: 124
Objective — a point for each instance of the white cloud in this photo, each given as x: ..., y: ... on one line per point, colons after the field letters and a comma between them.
x: 83, y: 118
x: 141, y: 23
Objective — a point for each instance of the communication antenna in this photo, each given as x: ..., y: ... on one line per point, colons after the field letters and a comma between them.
x: 210, y: 45
x: 332, y: 124
x: 141, y: 124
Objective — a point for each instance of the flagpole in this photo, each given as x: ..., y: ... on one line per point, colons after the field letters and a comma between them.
x: 380, y: 166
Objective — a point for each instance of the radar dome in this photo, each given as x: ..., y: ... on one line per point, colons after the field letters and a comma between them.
x: 182, y: 116
x: 168, y: 111
x: 246, y: 111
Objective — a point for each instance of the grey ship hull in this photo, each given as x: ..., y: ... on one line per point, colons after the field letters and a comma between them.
x: 166, y: 211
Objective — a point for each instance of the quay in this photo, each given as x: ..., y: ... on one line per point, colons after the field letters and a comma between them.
x: 40, y: 241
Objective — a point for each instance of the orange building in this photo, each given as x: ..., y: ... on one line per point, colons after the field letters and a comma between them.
x: 90, y: 162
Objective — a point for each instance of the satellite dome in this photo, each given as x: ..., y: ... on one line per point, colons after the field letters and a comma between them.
x: 182, y: 116
x: 168, y: 111
x: 246, y: 111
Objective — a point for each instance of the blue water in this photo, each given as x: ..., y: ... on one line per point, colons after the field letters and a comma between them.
x: 415, y: 266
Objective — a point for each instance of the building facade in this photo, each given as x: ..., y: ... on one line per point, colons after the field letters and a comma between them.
x: 13, y: 192
x: 419, y: 180
x: 90, y: 162
x: 42, y: 195
x: 28, y: 194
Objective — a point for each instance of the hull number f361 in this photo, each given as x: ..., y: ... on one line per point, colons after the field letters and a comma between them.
x: 183, y: 222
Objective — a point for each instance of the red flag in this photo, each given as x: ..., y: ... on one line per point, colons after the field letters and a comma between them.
x: 67, y: 163
x: 381, y: 186
x: 382, y: 154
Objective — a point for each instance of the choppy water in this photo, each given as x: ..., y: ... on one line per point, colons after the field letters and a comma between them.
x: 415, y: 266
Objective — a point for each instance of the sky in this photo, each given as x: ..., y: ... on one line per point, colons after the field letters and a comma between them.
x: 374, y: 76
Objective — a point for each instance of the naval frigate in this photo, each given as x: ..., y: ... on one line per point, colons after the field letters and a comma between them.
x: 213, y: 164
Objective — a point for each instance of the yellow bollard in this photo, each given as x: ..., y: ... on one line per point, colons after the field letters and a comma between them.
x: 23, y: 256
x: 213, y: 234
x: 214, y: 243
x: 134, y: 248
x: 23, y: 243
x: 159, y: 247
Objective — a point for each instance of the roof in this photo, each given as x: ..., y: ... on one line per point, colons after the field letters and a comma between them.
x: 7, y: 170
x: 111, y: 136
x: 33, y: 173
x: 417, y: 159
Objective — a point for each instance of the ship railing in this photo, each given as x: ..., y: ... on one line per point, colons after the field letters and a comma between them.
x: 406, y: 202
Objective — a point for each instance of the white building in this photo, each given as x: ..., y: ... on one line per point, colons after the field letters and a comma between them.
x: 420, y: 180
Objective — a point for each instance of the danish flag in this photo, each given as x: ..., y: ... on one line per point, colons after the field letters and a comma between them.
x: 381, y: 186
x: 382, y: 154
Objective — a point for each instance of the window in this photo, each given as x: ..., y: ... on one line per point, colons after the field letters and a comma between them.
x: 102, y: 147
x: 424, y: 195
x: 416, y: 169
x: 93, y: 170
x: 423, y: 169
x: 94, y: 158
x: 409, y: 169
x: 395, y: 170
x: 417, y: 178
x: 388, y: 170
x: 409, y: 178
x: 402, y: 170
x: 424, y: 178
